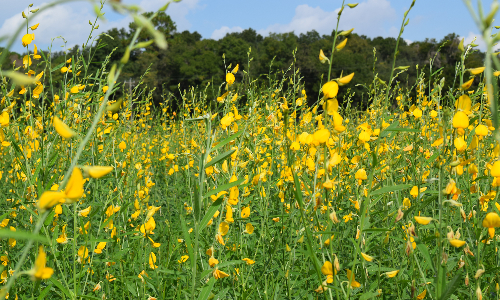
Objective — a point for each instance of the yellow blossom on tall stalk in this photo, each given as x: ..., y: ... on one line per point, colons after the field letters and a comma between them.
x: 63, y: 129
x: 230, y: 78
x: 491, y: 221
x: 40, y: 271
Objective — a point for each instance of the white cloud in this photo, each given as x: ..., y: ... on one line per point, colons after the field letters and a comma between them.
x: 221, y: 32
x: 71, y: 21
x: 368, y: 18
x: 177, y: 11
x: 479, y: 40
x: 68, y: 21
x: 408, y: 41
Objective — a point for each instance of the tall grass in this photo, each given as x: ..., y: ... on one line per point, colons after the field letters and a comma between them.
x: 255, y: 194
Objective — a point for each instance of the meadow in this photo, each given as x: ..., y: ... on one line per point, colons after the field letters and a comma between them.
x: 260, y: 193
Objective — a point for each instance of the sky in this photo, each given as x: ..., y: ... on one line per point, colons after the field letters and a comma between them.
x: 65, y: 25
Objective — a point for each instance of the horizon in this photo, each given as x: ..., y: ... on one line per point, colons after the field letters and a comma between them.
x: 432, y: 22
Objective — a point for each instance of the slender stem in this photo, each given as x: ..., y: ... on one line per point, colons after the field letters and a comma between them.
x: 334, y: 40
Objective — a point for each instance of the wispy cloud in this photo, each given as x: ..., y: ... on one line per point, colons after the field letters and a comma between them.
x: 368, y: 18
x: 221, y: 32
x: 71, y: 22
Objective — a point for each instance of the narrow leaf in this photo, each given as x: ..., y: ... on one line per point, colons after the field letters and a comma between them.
x: 219, y: 158
x: 389, y: 189
x: 226, y: 140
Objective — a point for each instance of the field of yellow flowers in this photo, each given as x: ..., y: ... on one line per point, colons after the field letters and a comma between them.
x: 253, y: 195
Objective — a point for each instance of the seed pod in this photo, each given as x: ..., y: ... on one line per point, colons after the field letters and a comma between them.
x: 461, y: 46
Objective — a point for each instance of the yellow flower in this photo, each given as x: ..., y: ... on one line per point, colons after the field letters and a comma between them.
x: 477, y: 71
x: 327, y: 269
x: 460, y: 120
x: 219, y: 274
x: 152, y: 261
x: 491, y: 221
x: 463, y: 103
x: 63, y: 129
x: 414, y: 191
x: 346, y: 79
x: 456, y: 243
x: 229, y: 78
x: 85, y: 212
x: 249, y: 228
x: 350, y: 277
x: 366, y: 256
x: 223, y: 228
x: 97, y: 171
x: 322, y: 57
x: 37, y: 91
x: 417, y: 113
x: 100, y: 247
x: 49, y: 199
x: 467, y: 84
x: 40, y: 271
x: 245, y: 212
x: 391, y: 274
x: 295, y: 146
x: 330, y: 89
x: 74, y: 89
x: 421, y: 296
x: 341, y: 45
x: 235, y: 70
x: 184, y: 258
x: 495, y: 169
x: 4, y: 119
x: 361, y: 174
x: 423, y: 220
x: 460, y: 143
x: 74, y: 188
x: 212, y: 262
x: 26, y: 61
x: 364, y: 136
x: 248, y: 261
x: 321, y: 136
x: 27, y: 39
x: 481, y: 130
x: 229, y: 214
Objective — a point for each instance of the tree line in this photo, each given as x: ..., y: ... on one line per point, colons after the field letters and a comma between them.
x: 190, y: 60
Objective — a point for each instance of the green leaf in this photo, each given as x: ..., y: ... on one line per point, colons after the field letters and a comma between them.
x: 389, y: 189
x: 425, y: 252
x: 377, y: 230
x: 61, y: 287
x: 369, y: 295
x: 88, y: 297
x: 224, y: 187
x: 219, y: 158
x: 230, y: 263
x: 99, y: 241
x: 57, y: 67
x: 187, y: 240
x: 207, y: 289
x: 432, y: 158
x: 393, y: 128
x: 388, y: 129
x: 209, y: 214
x: 44, y: 292
x: 22, y: 235
x: 226, y: 140
x: 196, y: 119
x: 374, y: 160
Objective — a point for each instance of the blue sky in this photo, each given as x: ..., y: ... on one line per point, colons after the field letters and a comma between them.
x: 214, y: 18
